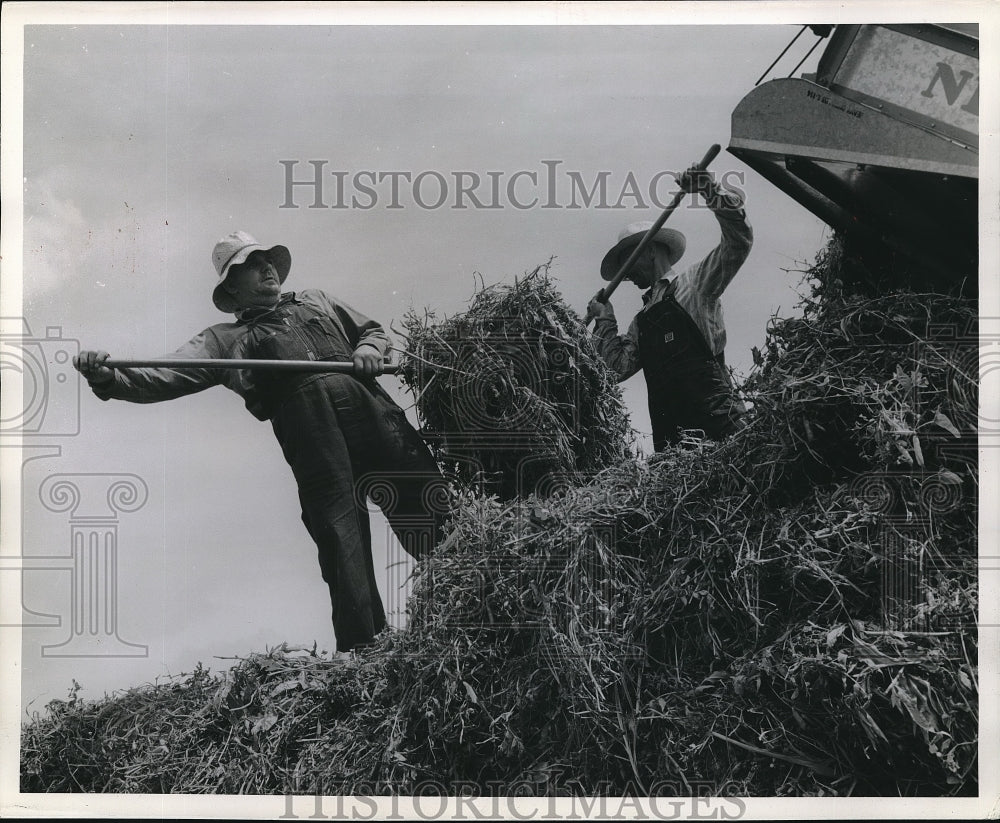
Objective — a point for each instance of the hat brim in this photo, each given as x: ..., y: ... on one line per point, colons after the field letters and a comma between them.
x: 280, y: 257
x: 674, y: 240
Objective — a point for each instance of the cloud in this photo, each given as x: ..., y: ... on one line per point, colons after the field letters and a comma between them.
x: 73, y: 254
x: 56, y: 237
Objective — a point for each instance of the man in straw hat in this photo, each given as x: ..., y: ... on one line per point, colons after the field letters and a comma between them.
x: 678, y: 338
x: 342, y: 435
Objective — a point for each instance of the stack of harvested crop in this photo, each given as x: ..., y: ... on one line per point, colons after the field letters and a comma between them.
x: 859, y: 383
x: 512, y: 392
x: 791, y: 612
x: 664, y: 627
x: 250, y: 730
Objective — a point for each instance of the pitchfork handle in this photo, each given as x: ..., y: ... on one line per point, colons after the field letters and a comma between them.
x: 608, y: 290
x: 323, y: 366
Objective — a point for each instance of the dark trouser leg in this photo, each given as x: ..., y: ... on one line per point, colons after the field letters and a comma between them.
x: 345, y: 442
x: 420, y: 493
x: 309, y: 429
x: 663, y: 416
x: 345, y: 560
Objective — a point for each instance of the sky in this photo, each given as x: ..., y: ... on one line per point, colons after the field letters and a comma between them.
x: 143, y: 144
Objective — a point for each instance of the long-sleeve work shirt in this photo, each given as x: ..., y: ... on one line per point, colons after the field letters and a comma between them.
x: 699, y: 289
x: 234, y: 341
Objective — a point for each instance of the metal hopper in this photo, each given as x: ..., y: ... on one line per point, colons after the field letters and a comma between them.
x: 882, y: 142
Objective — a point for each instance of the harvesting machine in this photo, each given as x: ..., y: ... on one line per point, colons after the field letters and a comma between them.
x: 881, y: 143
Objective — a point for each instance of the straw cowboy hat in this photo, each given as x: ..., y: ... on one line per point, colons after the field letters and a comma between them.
x: 630, y: 237
x: 234, y: 249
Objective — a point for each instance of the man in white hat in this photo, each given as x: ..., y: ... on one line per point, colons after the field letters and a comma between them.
x: 341, y: 433
x: 678, y: 338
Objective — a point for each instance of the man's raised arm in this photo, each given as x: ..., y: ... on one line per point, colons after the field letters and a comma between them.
x: 151, y: 385
x: 714, y: 273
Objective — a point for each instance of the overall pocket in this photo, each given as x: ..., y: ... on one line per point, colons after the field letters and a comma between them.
x: 277, y: 341
x: 321, y: 334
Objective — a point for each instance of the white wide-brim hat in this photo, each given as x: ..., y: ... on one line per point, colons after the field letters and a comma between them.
x: 629, y: 238
x: 234, y: 249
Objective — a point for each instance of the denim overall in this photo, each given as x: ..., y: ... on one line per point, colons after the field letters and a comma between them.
x: 346, y: 441
x: 688, y: 386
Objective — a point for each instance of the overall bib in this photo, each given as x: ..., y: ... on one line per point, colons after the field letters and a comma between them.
x: 346, y: 441
x: 688, y: 386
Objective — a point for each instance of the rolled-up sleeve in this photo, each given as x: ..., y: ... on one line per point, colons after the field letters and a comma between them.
x: 713, y: 274
x: 152, y: 385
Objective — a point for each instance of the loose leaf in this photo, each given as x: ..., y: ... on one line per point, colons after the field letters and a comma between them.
x: 833, y: 634
x: 946, y: 476
x: 263, y: 724
x: 942, y: 420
